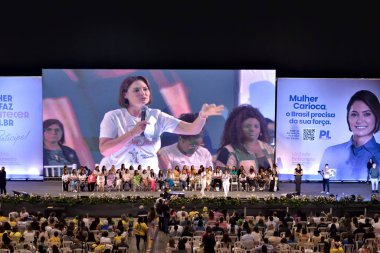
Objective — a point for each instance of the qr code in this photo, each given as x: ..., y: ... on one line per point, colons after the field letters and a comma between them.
x: 308, y: 134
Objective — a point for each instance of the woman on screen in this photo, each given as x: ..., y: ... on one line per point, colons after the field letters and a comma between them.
x: 55, y: 153
x: 131, y: 134
x: 244, y: 140
x: 350, y: 158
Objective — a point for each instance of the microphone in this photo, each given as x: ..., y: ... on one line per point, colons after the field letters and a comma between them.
x: 143, y: 115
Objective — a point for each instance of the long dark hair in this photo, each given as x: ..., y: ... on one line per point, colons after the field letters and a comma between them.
x: 233, y: 134
x: 152, y: 214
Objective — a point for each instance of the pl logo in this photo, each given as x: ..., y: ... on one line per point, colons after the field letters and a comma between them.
x: 324, y: 135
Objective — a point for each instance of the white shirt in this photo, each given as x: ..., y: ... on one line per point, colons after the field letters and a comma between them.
x: 179, y: 230
x: 376, y: 227
x: 256, y: 236
x: 100, y: 180
x: 174, y: 157
x: 127, y: 177
x: 336, y: 225
x: 276, y: 219
x: 326, y: 173
x: 203, y: 176
x: 226, y: 178
x: 105, y: 240
x: 82, y: 178
x: 218, y: 174
x: 65, y: 177
x: 182, y: 177
x: 141, y: 150
x: 179, y: 214
x: 247, y: 237
x: 251, y: 175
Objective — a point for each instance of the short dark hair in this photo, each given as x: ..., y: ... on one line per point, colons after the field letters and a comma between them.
x: 189, y: 118
x: 125, y: 86
x: 371, y: 101
x: 47, y: 123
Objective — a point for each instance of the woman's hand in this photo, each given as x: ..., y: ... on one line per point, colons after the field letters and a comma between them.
x: 139, y: 128
x: 195, y: 127
x: 211, y: 110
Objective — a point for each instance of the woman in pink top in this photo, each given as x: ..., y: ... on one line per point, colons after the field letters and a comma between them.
x: 91, y: 181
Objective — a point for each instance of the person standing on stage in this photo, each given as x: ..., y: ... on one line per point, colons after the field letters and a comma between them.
x: 226, y: 181
x: 369, y: 166
x: 326, y: 173
x: 374, y: 176
x: 298, y: 172
x: 202, y: 174
x: 273, y: 186
x: 3, y: 181
x: 131, y: 134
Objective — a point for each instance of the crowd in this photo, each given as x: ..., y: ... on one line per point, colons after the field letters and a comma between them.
x: 189, y: 230
x: 215, y: 231
x: 186, y: 178
x: 26, y: 232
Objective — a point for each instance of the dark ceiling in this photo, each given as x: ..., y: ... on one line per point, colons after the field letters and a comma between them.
x: 298, y: 39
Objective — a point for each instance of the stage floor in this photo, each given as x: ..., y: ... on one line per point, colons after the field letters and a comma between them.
x: 54, y: 188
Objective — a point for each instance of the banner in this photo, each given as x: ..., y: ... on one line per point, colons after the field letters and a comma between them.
x: 21, y: 127
x: 314, y: 127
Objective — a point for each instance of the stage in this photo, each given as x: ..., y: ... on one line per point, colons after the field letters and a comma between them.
x: 54, y: 188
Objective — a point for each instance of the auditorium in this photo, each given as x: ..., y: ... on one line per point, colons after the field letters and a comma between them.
x: 213, y: 127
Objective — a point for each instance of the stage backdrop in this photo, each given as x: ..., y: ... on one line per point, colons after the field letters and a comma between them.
x: 312, y: 128
x: 79, y: 98
x: 21, y: 127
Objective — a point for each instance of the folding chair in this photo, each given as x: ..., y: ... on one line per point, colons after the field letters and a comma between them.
x: 234, y: 183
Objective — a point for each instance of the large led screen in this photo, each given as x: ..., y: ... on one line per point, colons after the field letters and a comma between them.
x: 327, y: 121
x: 79, y: 99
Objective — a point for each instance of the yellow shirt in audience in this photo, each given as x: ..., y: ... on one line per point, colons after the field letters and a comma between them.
x: 15, y: 236
x: 140, y: 228
x: 117, y: 240
x: 125, y: 224
x: 55, y: 240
